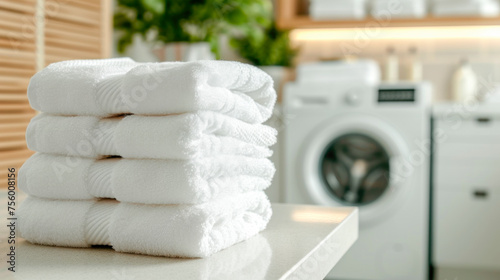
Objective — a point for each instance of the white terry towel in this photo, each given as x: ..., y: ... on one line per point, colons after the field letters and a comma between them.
x: 146, y: 181
x: 466, y: 8
x: 121, y: 86
x: 190, y: 135
x: 164, y: 230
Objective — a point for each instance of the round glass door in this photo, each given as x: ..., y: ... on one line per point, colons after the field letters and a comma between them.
x: 355, y: 169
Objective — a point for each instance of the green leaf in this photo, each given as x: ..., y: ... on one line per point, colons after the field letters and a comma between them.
x: 236, y: 17
x: 191, y: 20
x: 265, y: 47
x: 156, y: 6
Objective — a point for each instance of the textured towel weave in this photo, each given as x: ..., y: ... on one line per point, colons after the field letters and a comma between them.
x: 163, y: 230
x: 183, y: 136
x: 143, y: 180
x: 121, y: 86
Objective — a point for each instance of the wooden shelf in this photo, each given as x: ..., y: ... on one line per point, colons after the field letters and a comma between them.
x: 291, y: 14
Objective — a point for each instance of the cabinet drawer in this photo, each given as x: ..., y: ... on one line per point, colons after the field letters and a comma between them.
x: 473, y: 173
x: 467, y: 229
x: 476, y: 130
x: 466, y: 151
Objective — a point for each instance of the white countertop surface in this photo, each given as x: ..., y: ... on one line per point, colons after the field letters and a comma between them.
x: 300, y: 242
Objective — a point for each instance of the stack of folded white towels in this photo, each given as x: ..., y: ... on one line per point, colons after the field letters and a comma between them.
x: 466, y: 8
x: 337, y: 9
x: 399, y: 8
x: 162, y: 159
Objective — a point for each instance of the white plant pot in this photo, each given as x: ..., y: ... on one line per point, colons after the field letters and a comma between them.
x: 183, y: 51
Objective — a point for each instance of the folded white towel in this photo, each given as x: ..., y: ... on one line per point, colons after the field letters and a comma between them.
x: 147, y: 181
x: 403, y: 8
x: 165, y: 230
x: 466, y: 8
x: 190, y: 135
x: 337, y: 9
x: 121, y: 86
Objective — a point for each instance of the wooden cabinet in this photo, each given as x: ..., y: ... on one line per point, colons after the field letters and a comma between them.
x: 466, y: 232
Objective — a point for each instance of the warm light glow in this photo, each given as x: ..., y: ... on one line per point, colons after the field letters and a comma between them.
x: 389, y: 33
x: 318, y: 216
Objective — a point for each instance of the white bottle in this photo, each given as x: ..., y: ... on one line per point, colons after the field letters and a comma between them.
x: 464, y: 83
x: 391, y: 66
x: 415, y: 67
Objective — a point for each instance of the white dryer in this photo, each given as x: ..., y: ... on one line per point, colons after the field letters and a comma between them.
x: 365, y: 146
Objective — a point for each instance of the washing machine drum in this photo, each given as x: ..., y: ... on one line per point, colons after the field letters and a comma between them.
x: 357, y: 160
x: 355, y: 169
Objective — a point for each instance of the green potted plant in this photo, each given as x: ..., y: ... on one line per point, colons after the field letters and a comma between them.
x: 268, y: 48
x: 189, y: 28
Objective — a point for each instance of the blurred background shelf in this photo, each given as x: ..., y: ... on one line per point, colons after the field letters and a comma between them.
x: 304, y: 21
x: 293, y: 14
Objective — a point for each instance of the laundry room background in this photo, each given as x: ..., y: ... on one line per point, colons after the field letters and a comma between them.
x: 439, y: 49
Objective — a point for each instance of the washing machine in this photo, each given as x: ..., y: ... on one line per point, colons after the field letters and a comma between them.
x: 369, y: 147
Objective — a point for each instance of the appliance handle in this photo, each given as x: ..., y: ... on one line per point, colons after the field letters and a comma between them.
x: 483, y: 120
x: 480, y: 193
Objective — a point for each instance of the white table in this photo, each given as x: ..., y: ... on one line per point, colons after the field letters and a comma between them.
x: 300, y: 242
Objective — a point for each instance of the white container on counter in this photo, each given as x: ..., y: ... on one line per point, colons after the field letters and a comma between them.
x: 391, y: 66
x: 464, y: 83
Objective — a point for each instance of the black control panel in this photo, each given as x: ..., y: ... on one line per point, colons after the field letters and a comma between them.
x: 396, y: 95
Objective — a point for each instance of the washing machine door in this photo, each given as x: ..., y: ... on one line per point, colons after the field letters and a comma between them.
x: 356, y: 161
